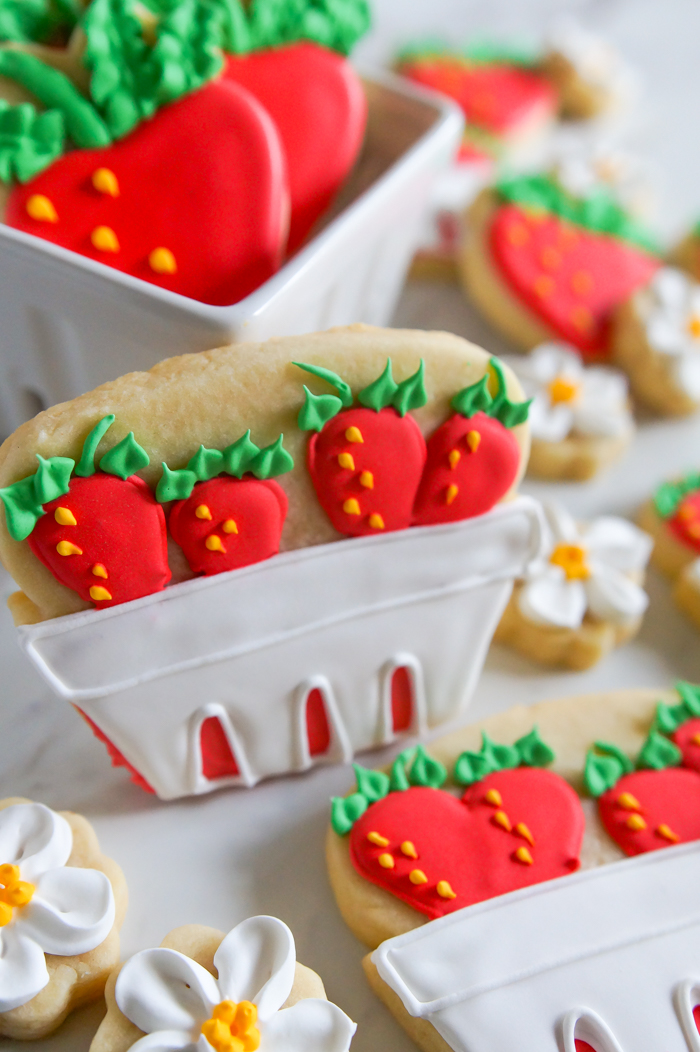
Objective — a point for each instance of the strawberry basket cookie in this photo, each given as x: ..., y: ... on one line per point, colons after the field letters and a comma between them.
x: 62, y: 903
x: 206, y: 991
x: 515, y: 879
x: 174, y: 534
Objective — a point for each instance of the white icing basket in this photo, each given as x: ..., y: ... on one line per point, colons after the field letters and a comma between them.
x: 69, y: 323
x: 342, y: 623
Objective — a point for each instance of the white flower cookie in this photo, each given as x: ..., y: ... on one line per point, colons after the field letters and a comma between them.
x: 588, y: 72
x: 580, y: 420
x: 656, y: 340
x: 584, y: 598
x: 61, y: 906
x: 237, y: 993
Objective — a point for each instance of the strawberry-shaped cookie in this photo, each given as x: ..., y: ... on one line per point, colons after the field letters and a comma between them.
x: 516, y: 825
x: 100, y: 533
x: 678, y: 503
x: 365, y: 462
x: 473, y: 458
x: 228, y: 511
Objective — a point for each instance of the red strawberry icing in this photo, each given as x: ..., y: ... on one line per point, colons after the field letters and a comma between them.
x: 687, y: 738
x: 686, y: 521
x: 648, y: 810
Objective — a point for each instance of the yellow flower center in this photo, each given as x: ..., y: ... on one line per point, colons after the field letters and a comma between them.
x: 232, y: 1027
x: 694, y: 326
x: 14, y: 893
x: 572, y: 559
x: 562, y: 389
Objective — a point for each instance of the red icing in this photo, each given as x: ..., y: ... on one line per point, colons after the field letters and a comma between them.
x: 583, y: 1046
x: 204, y: 178
x: 401, y: 700
x: 482, y: 476
x: 217, y: 759
x: 120, y: 526
x: 257, y: 507
x: 670, y: 797
x: 684, y: 739
x: 317, y: 103
x: 696, y: 1016
x: 459, y: 842
x: 498, y: 98
x: 570, y: 277
x: 392, y: 450
x: 118, y: 759
x: 686, y: 521
x: 318, y: 731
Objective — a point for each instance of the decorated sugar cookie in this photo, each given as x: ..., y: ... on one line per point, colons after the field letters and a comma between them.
x: 316, y: 535
x: 687, y: 591
x: 558, y: 946
x: 591, y: 78
x: 672, y: 517
x: 584, y: 597
x: 201, y: 989
x: 62, y: 903
x: 580, y: 419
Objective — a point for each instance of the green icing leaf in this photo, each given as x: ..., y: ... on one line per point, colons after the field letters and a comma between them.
x: 239, y: 455
x: 658, y: 752
x: 605, y: 765
x: 533, y: 752
x: 411, y: 393
x: 481, y: 50
x: 317, y: 410
x: 668, y: 497
x: 206, y: 464
x: 668, y: 718
x: 425, y: 770
x: 373, y: 785
x: 36, y: 21
x: 473, y: 399
x: 345, y: 811
x: 126, y: 458
x: 175, y: 485
x: 473, y: 766
x: 335, y: 24
x: 509, y: 413
x: 86, y: 464
x: 399, y: 779
x: 343, y: 389
x: 29, y: 142
x: 22, y: 508
x: 272, y: 461
x: 187, y: 52
x: 52, y: 478
x: 379, y: 394
x: 690, y: 695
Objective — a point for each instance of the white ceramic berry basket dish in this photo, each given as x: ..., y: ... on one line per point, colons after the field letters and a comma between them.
x: 70, y: 323
x: 241, y: 654
x: 610, y: 956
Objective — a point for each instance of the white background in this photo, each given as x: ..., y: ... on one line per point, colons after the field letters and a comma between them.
x: 218, y: 859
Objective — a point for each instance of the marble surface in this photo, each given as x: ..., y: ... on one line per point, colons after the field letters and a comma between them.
x: 218, y: 859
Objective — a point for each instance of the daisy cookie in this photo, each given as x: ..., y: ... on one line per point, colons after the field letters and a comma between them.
x: 584, y: 597
x: 480, y: 874
x: 203, y: 991
x: 656, y: 340
x: 62, y: 903
x: 580, y: 419
x: 590, y: 76
x: 672, y: 517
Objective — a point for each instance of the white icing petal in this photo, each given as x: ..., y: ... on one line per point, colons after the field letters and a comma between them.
x: 311, y: 1025
x: 169, y: 1041
x: 161, y: 989
x: 671, y: 287
x: 619, y: 544
x: 553, y: 600
x: 550, y: 423
x: 35, y: 838
x: 614, y: 597
x: 601, y: 409
x: 256, y: 963
x: 562, y: 524
x: 22, y: 968
x: 550, y: 360
x: 72, y: 911
x: 688, y: 374
x: 664, y: 333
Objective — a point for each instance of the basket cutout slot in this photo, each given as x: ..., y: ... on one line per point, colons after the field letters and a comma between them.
x: 218, y: 760
x: 402, y: 699
x: 318, y: 728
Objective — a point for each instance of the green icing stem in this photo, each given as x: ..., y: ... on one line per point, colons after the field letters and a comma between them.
x: 35, y: 21
x: 668, y: 496
x: 55, y: 91
x: 86, y: 464
x: 477, y: 398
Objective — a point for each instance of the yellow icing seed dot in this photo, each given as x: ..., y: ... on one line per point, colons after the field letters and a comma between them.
x: 444, y: 890
x: 543, y: 286
x: 408, y: 849
x: 452, y: 492
x: 104, y: 239
x: 67, y: 548
x: 386, y: 861
x: 346, y: 461
x: 582, y: 319
x: 98, y: 594
x: 162, y: 261
x: 501, y: 819
x: 636, y: 822
x: 582, y: 282
x: 104, y: 180
x: 202, y: 512
x: 99, y: 570
x: 629, y: 802
x: 454, y: 458
x: 561, y: 389
x: 524, y: 856
x: 417, y: 876
x: 367, y: 480
x: 473, y: 440
x: 378, y: 839
x: 493, y: 797
x: 214, y: 543
x: 695, y: 739
x: 65, y: 517
x: 41, y: 208
x: 522, y: 830
x: 353, y: 434
x: 550, y: 258
x: 351, y: 507
x: 230, y: 526
x: 572, y: 559
x: 518, y: 234
x: 694, y: 326
x: 376, y: 521
x: 667, y: 833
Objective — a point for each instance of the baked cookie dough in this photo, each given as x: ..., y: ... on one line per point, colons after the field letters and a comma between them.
x: 686, y: 592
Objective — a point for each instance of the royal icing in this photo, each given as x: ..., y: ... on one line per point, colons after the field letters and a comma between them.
x: 586, y: 570
x: 669, y: 308
x: 180, y: 1005
x: 46, y: 906
x: 595, y: 60
x: 678, y: 503
x: 569, y: 398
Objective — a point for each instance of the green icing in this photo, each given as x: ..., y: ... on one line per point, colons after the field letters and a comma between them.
x: 125, y: 459
x: 175, y: 485
x: 380, y: 393
x: 345, y: 811
x: 533, y: 751
x: 55, y: 91
x: 239, y: 455
x: 187, y: 52
x: 373, y: 785
x: 317, y: 410
x: 473, y: 399
x: 52, y: 478
x: 206, y: 464
x: 605, y: 765
x: 528, y: 751
x: 272, y: 461
x: 670, y: 717
x: 411, y: 393
x: 343, y: 389
x: 658, y: 752
x: 399, y: 778
x: 86, y: 464
x: 23, y: 500
x: 599, y: 212
x: 426, y: 771
x: 335, y: 24
x: 29, y: 142
x: 668, y: 497
x: 479, y: 51
x: 477, y: 398
x: 36, y: 21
